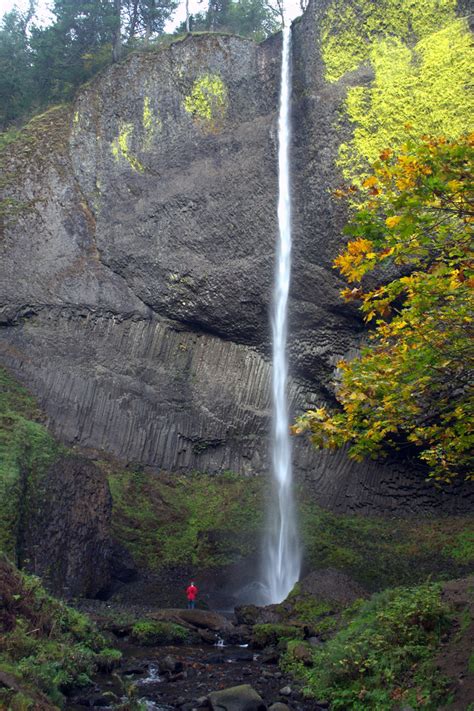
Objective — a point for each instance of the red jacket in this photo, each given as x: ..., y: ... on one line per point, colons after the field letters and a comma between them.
x: 191, y: 592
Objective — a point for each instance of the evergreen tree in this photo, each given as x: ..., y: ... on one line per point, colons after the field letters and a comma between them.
x: 17, y: 92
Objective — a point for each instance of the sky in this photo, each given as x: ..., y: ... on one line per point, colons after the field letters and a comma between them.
x: 292, y: 9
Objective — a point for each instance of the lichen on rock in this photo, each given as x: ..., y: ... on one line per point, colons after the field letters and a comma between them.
x: 151, y: 123
x: 121, y: 147
x: 350, y: 30
x: 208, y: 102
x: 420, y: 55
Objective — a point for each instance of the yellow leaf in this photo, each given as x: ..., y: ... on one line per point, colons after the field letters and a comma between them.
x: 370, y: 182
x: 392, y: 221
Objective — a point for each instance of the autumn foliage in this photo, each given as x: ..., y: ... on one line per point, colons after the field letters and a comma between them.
x: 410, y: 387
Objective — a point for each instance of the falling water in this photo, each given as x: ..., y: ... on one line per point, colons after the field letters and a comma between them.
x: 282, y: 555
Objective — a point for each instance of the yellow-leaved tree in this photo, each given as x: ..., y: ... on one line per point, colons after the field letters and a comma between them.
x: 411, y: 386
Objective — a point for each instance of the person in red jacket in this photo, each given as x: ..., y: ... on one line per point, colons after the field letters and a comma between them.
x: 191, y: 594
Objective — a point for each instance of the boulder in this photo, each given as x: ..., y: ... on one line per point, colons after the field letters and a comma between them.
x: 278, y: 707
x: 194, y: 619
x: 237, y: 698
x: 302, y: 653
x: 170, y: 665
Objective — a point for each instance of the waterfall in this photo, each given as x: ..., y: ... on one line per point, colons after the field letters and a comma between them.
x: 282, y: 556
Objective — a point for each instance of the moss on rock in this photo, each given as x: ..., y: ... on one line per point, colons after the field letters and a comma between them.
x: 266, y: 635
x: 151, y: 632
x: 26, y: 451
x: 198, y: 519
x: 380, y: 551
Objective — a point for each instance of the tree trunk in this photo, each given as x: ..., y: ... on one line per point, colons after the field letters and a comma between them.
x: 117, y: 36
x: 134, y: 21
x: 187, y: 16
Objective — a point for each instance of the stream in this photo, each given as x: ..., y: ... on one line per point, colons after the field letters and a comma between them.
x: 181, y: 677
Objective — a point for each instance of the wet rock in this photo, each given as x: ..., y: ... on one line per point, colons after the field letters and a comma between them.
x: 170, y: 665
x: 241, y: 634
x: 148, y: 687
x: 270, y: 655
x: 215, y: 659
x: 255, y: 615
x: 236, y: 698
x: 133, y: 669
x: 68, y: 522
x: 122, y: 565
x: 286, y: 691
x: 244, y: 655
x: 208, y: 637
x: 180, y: 676
x: 202, y: 702
x: 197, y: 620
x: 278, y: 706
x: 205, y: 619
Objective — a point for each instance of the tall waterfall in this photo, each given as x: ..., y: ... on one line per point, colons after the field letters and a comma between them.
x: 282, y: 556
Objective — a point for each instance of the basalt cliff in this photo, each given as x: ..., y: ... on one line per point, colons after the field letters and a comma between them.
x: 137, y: 249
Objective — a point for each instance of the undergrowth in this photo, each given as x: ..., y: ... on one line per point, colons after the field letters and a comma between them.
x: 47, y: 648
x: 383, y: 657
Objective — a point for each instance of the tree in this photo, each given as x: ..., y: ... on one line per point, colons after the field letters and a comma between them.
x: 251, y: 18
x: 411, y: 387
x: 117, y: 32
x: 74, y: 47
x: 17, y: 90
x: 144, y: 18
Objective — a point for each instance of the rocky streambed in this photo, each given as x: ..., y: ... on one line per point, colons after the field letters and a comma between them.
x: 222, y: 665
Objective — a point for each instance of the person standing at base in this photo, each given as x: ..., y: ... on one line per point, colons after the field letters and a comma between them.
x: 191, y: 594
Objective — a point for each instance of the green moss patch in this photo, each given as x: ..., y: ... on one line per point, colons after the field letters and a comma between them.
x: 380, y: 552
x: 267, y: 635
x: 350, y: 30
x: 150, y: 633
x: 421, y: 55
x: 208, y: 102
x: 198, y: 519
x: 26, y: 451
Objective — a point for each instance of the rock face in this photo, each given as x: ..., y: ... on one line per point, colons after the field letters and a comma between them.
x: 68, y: 516
x: 136, y: 275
